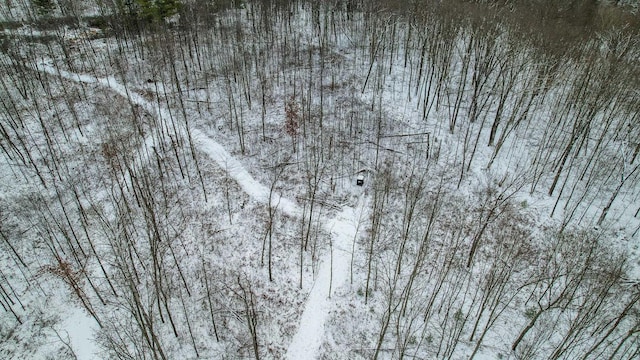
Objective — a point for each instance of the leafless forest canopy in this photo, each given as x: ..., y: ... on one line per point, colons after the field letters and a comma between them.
x: 499, y: 141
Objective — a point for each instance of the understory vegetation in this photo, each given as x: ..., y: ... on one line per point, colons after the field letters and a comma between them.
x: 499, y: 143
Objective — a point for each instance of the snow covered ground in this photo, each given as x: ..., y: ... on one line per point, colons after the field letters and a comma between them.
x: 435, y: 301
x: 80, y: 328
x: 333, y: 273
x: 334, y: 266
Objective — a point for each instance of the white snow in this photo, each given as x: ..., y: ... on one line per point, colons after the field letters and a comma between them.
x: 334, y: 265
x: 212, y: 148
x: 334, y: 268
x: 80, y: 328
x: 333, y: 273
x: 235, y: 169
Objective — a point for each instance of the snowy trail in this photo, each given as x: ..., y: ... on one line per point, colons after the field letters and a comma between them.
x: 121, y: 90
x: 212, y: 148
x: 79, y: 328
x: 236, y: 170
x: 333, y: 273
x: 334, y: 266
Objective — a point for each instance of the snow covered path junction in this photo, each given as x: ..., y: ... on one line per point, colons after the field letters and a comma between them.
x: 334, y: 266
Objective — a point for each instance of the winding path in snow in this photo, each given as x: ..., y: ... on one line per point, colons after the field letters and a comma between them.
x: 212, y: 148
x: 334, y: 266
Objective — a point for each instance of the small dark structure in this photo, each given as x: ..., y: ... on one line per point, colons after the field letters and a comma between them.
x: 360, y: 180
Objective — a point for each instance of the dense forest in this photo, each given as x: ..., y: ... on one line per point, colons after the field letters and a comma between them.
x: 178, y: 179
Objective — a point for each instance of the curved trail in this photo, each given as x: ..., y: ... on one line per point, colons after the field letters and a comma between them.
x: 334, y: 266
x: 209, y: 146
x: 237, y: 171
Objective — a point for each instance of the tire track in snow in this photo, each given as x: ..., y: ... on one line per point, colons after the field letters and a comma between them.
x: 334, y: 266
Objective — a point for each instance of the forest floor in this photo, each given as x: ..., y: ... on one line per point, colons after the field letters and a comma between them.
x: 334, y: 267
x: 334, y: 272
x: 241, y: 175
